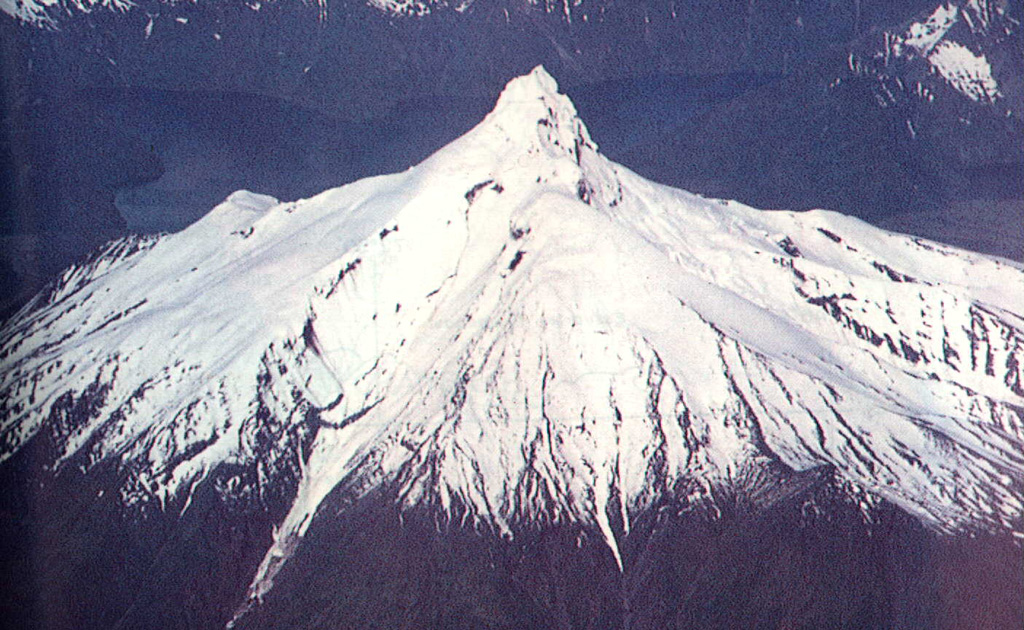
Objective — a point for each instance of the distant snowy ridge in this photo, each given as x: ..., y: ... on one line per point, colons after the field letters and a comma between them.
x: 519, y: 332
x: 967, y: 72
x: 42, y: 12
x: 418, y: 8
x: 48, y: 13
x: 951, y: 42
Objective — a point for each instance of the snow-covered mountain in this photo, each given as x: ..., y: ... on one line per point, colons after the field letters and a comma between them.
x: 518, y: 334
x: 355, y: 60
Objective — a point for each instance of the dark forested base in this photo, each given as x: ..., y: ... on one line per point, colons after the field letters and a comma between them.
x: 819, y: 565
x: 375, y: 568
x: 73, y: 558
x: 810, y: 561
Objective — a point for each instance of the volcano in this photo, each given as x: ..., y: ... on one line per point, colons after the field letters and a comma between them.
x: 516, y: 386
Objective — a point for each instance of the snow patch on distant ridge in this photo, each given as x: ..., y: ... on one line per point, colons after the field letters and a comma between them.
x: 46, y: 13
x: 41, y: 12
x: 966, y: 71
x: 924, y: 36
x: 418, y: 8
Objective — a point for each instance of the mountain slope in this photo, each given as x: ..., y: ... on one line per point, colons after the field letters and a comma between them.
x: 518, y: 335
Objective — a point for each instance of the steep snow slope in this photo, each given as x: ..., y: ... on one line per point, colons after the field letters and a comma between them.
x: 519, y: 332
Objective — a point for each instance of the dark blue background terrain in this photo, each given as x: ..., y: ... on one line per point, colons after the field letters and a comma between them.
x: 110, y: 127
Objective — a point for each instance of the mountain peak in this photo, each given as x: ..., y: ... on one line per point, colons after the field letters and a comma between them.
x: 532, y: 104
x: 538, y: 84
x: 517, y: 333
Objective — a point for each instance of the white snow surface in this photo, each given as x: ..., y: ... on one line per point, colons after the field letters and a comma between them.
x: 417, y: 8
x: 518, y: 330
x: 966, y: 71
x: 923, y: 36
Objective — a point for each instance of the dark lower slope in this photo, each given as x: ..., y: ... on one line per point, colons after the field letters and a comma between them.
x: 72, y: 558
x: 809, y: 561
x: 373, y: 568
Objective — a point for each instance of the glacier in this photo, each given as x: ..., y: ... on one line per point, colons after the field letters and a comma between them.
x: 518, y: 332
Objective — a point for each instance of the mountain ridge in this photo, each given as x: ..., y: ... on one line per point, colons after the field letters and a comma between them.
x: 520, y: 332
